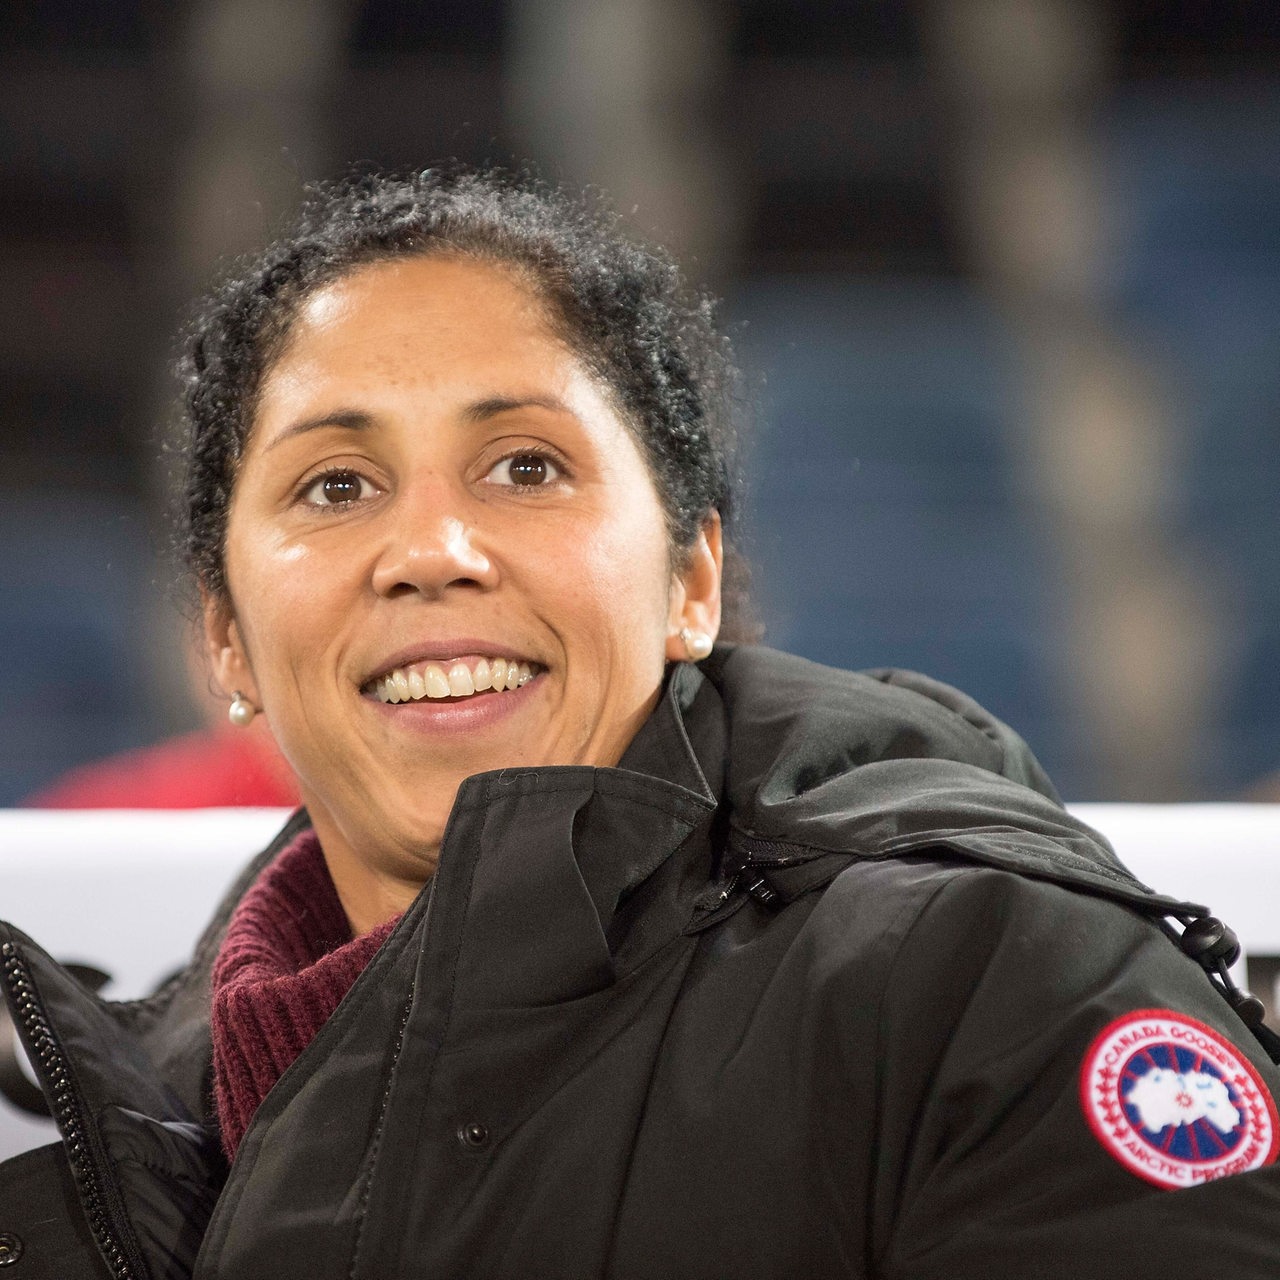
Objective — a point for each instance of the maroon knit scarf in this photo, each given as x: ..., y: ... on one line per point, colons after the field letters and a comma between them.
x: 287, y: 959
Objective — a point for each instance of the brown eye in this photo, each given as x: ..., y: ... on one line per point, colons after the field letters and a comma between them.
x: 528, y: 468
x: 336, y: 488
x: 525, y: 469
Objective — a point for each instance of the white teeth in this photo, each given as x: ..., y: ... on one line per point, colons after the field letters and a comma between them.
x: 460, y: 681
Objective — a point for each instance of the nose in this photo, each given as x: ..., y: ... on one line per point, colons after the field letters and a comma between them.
x: 430, y: 548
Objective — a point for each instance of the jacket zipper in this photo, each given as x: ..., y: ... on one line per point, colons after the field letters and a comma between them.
x: 66, y: 1109
x: 748, y: 878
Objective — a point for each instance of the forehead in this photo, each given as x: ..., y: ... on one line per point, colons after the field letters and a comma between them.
x: 430, y: 322
x: 395, y: 337
x: 417, y: 299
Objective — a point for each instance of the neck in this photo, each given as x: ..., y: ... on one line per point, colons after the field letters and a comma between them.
x: 370, y: 894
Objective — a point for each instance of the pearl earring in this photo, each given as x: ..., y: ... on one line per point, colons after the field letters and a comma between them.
x: 697, y: 644
x: 241, y: 711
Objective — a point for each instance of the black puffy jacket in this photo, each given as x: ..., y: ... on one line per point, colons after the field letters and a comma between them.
x: 821, y: 981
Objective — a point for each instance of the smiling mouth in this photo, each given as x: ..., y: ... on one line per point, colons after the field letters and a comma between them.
x: 454, y: 681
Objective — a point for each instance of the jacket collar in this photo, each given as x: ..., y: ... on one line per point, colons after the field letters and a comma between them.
x: 683, y: 742
x: 798, y: 760
x: 567, y: 877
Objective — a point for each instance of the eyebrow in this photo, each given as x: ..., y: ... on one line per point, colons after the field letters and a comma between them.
x: 346, y: 419
x: 477, y: 411
x: 492, y: 406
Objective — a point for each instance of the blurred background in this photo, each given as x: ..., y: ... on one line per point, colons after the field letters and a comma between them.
x: 1004, y: 276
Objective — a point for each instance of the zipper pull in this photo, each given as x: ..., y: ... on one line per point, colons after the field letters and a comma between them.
x: 761, y: 890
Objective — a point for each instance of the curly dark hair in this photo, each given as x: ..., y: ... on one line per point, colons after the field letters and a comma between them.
x: 624, y: 308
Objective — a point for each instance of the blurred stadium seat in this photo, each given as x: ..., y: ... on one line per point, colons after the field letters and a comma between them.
x: 885, y: 515
x: 74, y: 576
x: 1197, y: 273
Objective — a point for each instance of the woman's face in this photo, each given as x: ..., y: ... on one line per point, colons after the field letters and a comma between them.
x: 435, y: 487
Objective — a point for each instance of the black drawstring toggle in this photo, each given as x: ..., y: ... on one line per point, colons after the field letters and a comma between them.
x: 1207, y: 940
x: 1215, y: 947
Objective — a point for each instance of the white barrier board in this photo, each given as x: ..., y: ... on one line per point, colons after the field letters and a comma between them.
x: 1226, y: 856
x: 125, y: 892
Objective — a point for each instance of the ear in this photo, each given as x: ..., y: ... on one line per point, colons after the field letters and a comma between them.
x: 228, y: 660
x: 695, y: 590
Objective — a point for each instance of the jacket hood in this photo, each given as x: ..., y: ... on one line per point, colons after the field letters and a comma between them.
x: 889, y: 763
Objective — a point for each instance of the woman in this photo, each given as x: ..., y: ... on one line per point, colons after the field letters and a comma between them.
x: 599, y: 950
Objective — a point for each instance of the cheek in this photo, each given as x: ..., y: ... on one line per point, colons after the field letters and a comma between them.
x: 284, y: 599
x: 622, y: 578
